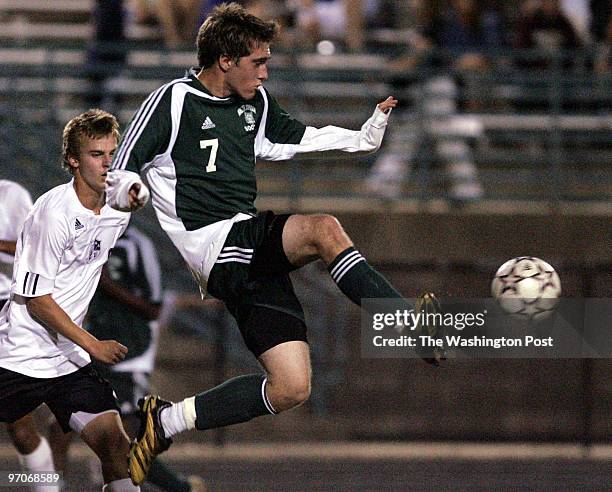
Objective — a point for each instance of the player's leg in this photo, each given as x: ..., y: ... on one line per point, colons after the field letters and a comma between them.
x: 129, y: 387
x: 84, y: 403
x: 104, y: 434
x: 60, y: 444
x: 279, y: 342
x: 34, y: 452
x: 276, y: 338
x: 20, y: 395
x: 24, y: 434
x: 260, y: 295
x: 308, y: 237
x: 285, y: 385
x: 289, y: 373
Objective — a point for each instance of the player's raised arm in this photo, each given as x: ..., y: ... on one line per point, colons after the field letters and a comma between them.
x: 331, y: 138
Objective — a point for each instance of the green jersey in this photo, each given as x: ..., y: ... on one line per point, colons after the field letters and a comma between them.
x: 207, y: 144
x: 197, y: 153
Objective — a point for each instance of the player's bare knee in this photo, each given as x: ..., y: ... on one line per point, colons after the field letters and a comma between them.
x: 24, y: 437
x: 106, y: 438
x: 293, y: 394
x: 328, y: 230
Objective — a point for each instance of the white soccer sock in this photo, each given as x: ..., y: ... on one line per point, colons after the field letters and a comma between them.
x: 38, y: 461
x: 123, y: 485
x: 178, y: 417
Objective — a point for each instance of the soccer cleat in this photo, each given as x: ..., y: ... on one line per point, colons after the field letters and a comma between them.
x: 150, y: 441
x: 427, y: 303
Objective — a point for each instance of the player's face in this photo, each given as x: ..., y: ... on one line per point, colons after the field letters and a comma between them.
x: 246, y: 75
x: 95, y: 157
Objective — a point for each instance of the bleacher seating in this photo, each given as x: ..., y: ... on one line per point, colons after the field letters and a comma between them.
x: 568, y: 134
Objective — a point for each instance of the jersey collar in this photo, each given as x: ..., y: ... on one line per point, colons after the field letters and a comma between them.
x: 193, y: 75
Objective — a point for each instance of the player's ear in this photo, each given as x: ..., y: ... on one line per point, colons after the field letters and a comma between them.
x: 225, y: 63
x: 73, y: 162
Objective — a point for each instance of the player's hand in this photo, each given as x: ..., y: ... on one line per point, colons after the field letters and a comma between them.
x: 387, y: 104
x: 108, y: 351
x: 138, y: 196
x: 125, y: 191
x: 373, y: 130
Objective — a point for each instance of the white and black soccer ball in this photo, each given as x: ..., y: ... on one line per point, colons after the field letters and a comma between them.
x: 527, y: 287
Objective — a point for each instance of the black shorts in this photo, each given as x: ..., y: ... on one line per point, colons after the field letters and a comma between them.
x: 79, y: 391
x: 129, y: 387
x: 251, y: 276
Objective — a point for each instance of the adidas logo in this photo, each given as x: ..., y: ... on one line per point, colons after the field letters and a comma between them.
x: 77, y: 225
x: 208, y: 124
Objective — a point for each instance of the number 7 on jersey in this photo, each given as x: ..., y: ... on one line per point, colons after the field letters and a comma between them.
x: 213, y: 143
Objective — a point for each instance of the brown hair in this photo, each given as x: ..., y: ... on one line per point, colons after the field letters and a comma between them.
x: 231, y: 31
x: 94, y: 123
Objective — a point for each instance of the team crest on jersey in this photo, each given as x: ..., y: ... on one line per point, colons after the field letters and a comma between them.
x: 94, y: 250
x: 249, y: 112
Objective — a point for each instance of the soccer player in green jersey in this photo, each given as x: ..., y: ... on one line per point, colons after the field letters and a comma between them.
x: 196, y: 140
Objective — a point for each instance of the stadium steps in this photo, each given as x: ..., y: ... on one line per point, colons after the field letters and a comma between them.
x: 22, y: 30
x: 72, y: 11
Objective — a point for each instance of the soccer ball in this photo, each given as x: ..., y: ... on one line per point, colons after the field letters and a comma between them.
x: 527, y: 287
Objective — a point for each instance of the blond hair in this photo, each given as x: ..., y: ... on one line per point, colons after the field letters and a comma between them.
x: 94, y: 123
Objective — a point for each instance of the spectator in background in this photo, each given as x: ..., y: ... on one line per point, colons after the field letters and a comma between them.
x: 601, y: 14
x: 107, y: 53
x: 177, y: 18
x: 271, y: 10
x: 603, y: 52
x: 341, y: 21
x: 544, y: 27
x: 601, y: 32
x: 465, y: 35
x: 577, y: 12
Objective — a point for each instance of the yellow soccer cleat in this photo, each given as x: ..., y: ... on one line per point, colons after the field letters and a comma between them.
x: 151, y: 440
x: 428, y: 304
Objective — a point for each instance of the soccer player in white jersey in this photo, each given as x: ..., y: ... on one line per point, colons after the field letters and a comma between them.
x: 16, y: 203
x: 34, y: 451
x: 44, y: 351
x: 196, y: 140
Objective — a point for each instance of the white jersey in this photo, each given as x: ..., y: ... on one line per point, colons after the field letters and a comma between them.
x: 60, y: 251
x: 15, y: 203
